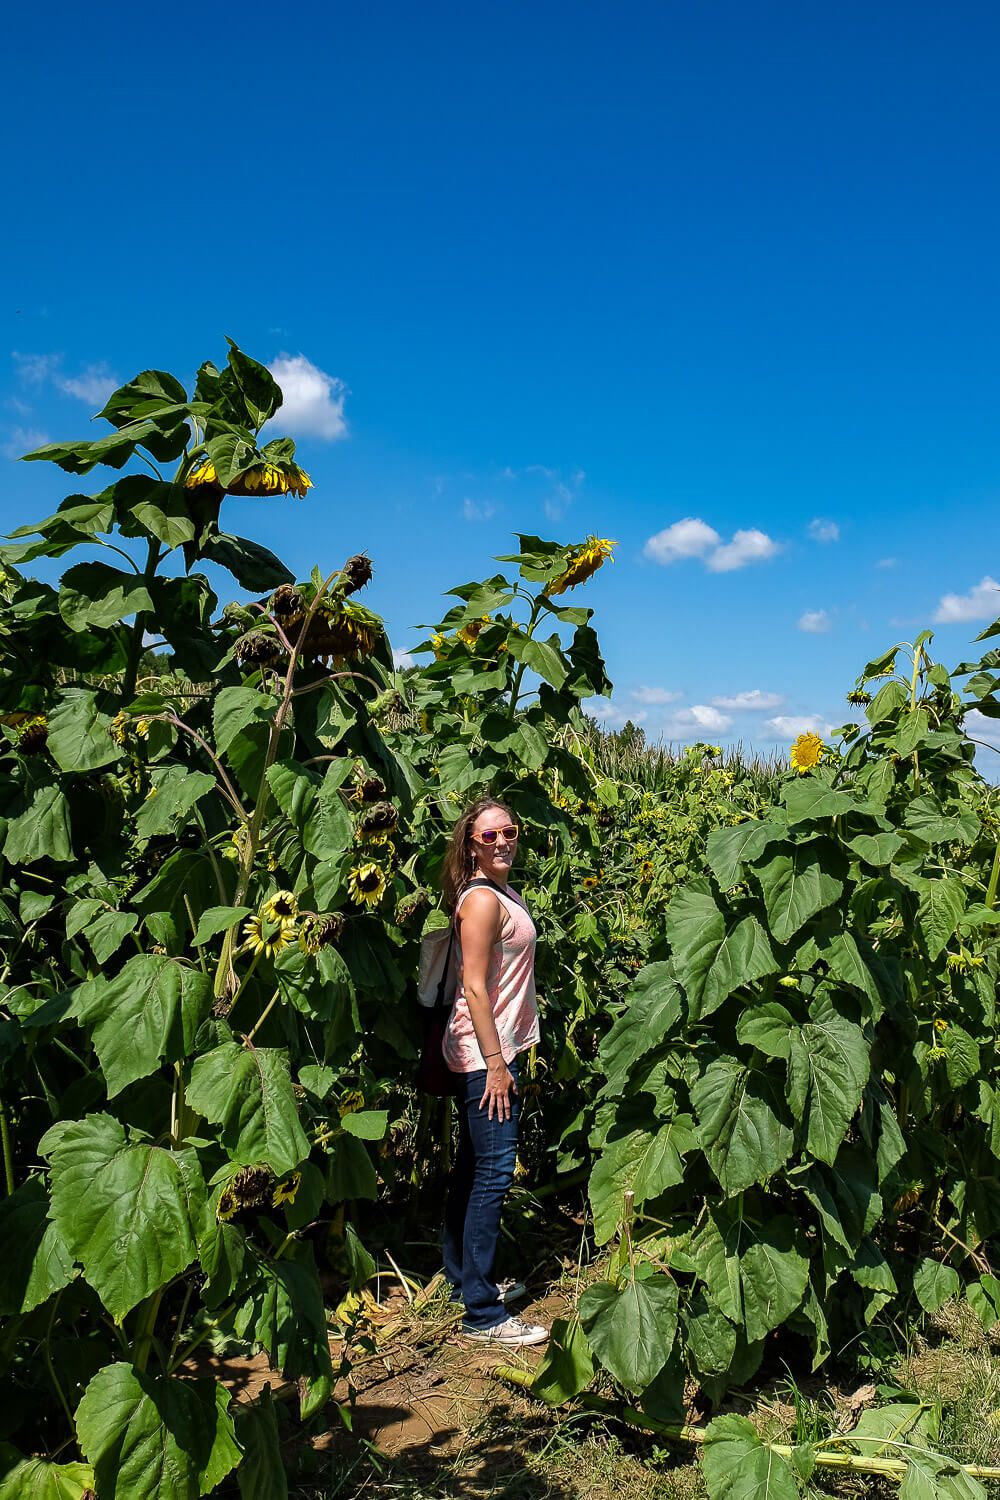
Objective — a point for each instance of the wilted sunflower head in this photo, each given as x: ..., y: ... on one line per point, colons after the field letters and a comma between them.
x: 32, y: 734
x: 646, y: 871
x: 806, y: 753
x: 358, y: 572
x: 251, y: 1187
x: 412, y: 906
x: 285, y: 1191
x: 272, y: 479
x: 377, y: 823
x: 343, y: 630
x: 287, y: 605
x: 202, y: 472
x: 367, y: 786
x: 257, y: 648
x: 318, y: 932
x: 470, y: 632
x: 582, y: 563
x: 366, y: 884
x: 859, y: 698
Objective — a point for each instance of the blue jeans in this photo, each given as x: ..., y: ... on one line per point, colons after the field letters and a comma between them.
x: 482, y: 1172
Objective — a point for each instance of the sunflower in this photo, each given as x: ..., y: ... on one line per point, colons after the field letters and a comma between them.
x: 789, y: 982
x: 203, y: 472
x: 646, y: 871
x: 285, y: 1191
x: 319, y: 932
x: 807, y: 752
x: 357, y: 572
x: 367, y: 786
x: 269, y: 479
x: 377, y: 824
x: 227, y: 1205
x: 287, y: 605
x: 470, y: 633
x: 366, y: 884
x: 261, y: 935
x: 344, y: 630
x: 590, y: 882
x: 440, y: 644
x: 258, y: 649
x: 32, y: 734
x: 118, y: 728
x: 351, y: 1102
x: 859, y: 698
x: 283, y: 906
x: 582, y: 563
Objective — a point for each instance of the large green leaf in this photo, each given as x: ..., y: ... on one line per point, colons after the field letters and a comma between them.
x: 126, y: 1210
x: 40, y: 1479
x: 846, y: 1196
x: 931, y: 1476
x: 261, y: 1474
x: 738, y: 1465
x: 568, y: 1364
x: 742, y: 1123
x: 755, y: 1273
x: 284, y: 1315
x: 94, y: 595
x: 151, y: 1010
x: 155, y: 1437
x: 653, y: 1010
x: 644, y: 1162
x: 941, y: 904
x: 78, y: 733
x: 631, y: 1330
x: 42, y: 831
x: 795, y: 887
x: 711, y: 960
x: 934, y: 1283
x: 35, y: 1259
x: 248, y: 1092
x: 728, y: 848
x: 543, y: 657
x: 170, y: 799
x: 838, y: 1060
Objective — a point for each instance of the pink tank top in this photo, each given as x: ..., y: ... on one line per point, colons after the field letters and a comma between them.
x: 510, y: 984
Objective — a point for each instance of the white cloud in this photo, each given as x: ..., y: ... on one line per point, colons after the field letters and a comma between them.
x: 688, y: 538
x: 35, y: 369
x: 691, y: 723
x: 815, y: 622
x: 981, y: 603
x: 753, y: 701
x: 401, y: 660
x: 477, y: 510
x: 790, y: 726
x: 93, y: 385
x: 562, y: 489
x: 746, y: 547
x: 887, y: 562
x: 822, y: 530
x: 654, y: 695
x: 610, y: 715
x: 21, y: 440
x: 314, y: 401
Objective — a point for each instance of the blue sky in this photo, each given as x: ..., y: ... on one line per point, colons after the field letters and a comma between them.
x: 556, y: 268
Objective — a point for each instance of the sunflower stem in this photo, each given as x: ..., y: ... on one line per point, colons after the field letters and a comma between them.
x: 248, y: 1039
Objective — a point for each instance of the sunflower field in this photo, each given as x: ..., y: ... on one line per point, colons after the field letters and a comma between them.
x: 768, y: 999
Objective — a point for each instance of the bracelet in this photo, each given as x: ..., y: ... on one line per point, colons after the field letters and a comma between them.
x: 488, y: 1055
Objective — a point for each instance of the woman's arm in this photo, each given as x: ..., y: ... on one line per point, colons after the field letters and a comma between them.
x: 480, y: 922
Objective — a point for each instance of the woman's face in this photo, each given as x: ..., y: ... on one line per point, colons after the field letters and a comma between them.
x: 493, y: 859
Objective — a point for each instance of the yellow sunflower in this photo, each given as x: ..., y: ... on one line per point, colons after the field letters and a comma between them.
x: 366, y: 884
x: 269, y: 479
x: 471, y: 632
x: 262, y: 935
x: 590, y: 882
x: 807, y: 752
x: 582, y: 563
x: 285, y: 1191
x: 227, y: 1206
x: 282, y: 907
x: 646, y: 871
x: 203, y: 472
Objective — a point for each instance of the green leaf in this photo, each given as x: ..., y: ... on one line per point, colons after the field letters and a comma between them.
x: 567, y: 1367
x: 35, y: 1259
x: 847, y: 963
x: 162, y: 513
x: 767, y: 1027
x: 367, y: 1124
x: 631, y: 1331
x: 878, y: 849
x: 218, y: 919
x: 155, y: 1437
x: 93, y: 595
x: 151, y: 1010
x: 711, y: 961
x: 925, y: 820
x: 352, y: 1173
x: 931, y: 1476
x: 124, y: 1209
x: 254, y: 567
x: 235, y: 708
x: 738, y: 1465
x: 961, y: 1055
x: 285, y: 1316
x: 653, y: 1009
x: 709, y: 1336
x: 912, y: 731
x: 742, y: 1123
x: 795, y: 888
x: 543, y: 657
x: 755, y: 1273
x: 78, y: 733
x: 261, y: 1474
x: 248, y: 1091
x: 934, y: 1283
x: 845, y: 1196
x: 260, y: 391
x: 729, y: 848
x: 42, y: 832
x: 39, y: 1479
x: 80, y: 457
x: 108, y: 931
x: 838, y: 1060
x: 643, y: 1162
x: 807, y: 800
x: 169, y: 802
x: 941, y: 904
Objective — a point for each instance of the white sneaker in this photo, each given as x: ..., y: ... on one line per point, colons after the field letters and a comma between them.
x: 512, y: 1333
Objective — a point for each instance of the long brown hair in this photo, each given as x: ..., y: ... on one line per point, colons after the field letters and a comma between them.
x: 458, y: 862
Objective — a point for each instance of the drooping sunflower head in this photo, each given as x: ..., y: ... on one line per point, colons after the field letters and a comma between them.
x: 357, y: 572
x: 367, y: 786
x: 366, y: 884
x: 285, y: 1192
x: 250, y: 1187
x: 32, y: 734
x: 412, y: 906
x: 859, y: 698
x: 283, y: 906
x: 377, y: 823
x: 807, y: 752
x: 582, y: 563
x: 646, y: 871
x: 261, y: 935
x: 470, y: 633
x: 202, y: 472
x: 287, y: 605
x: 343, y: 630
x: 272, y: 479
x: 318, y: 932
x: 257, y: 649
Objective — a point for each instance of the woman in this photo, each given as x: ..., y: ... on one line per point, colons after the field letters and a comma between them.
x: 493, y: 1019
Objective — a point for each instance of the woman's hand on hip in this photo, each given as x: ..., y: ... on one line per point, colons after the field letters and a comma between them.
x: 499, y: 1087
